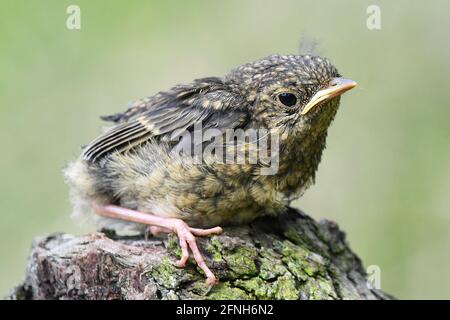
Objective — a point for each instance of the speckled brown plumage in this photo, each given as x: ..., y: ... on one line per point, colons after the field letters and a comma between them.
x: 134, y: 164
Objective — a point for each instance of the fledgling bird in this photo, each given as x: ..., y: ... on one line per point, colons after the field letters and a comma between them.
x: 135, y: 175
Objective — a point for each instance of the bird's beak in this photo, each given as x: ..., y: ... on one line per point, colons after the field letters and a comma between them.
x: 336, y: 87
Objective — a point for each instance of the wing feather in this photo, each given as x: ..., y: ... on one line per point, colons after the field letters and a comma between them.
x: 208, y: 101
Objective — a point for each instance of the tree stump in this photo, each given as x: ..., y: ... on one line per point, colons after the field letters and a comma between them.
x: 290, y: 256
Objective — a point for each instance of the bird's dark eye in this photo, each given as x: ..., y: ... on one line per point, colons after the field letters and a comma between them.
x: 288, y: 99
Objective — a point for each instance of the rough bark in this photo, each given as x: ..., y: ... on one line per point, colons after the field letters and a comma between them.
x: 286, y: 257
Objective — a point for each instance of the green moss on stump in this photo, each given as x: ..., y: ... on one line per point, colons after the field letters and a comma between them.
x: 285, y: 257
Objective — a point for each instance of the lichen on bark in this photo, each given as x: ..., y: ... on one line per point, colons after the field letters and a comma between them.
x: 290, y: 256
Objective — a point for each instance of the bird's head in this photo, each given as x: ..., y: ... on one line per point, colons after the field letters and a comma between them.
x: 293, y: 93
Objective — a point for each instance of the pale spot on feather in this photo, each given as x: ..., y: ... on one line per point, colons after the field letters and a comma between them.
x: 217, y: 104
x: 205, y: 104
x: 146, y: 123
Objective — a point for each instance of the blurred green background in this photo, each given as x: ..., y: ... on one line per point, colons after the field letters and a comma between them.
x: 385, y: 176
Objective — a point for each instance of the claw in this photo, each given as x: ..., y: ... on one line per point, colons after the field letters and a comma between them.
x: 187, y: 240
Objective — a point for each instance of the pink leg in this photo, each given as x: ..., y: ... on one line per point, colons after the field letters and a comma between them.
x: 159, y: 224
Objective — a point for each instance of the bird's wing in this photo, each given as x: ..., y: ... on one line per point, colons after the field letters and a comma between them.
x: 166, y: 115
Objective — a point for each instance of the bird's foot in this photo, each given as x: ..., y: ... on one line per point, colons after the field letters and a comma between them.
x: 186, y: 236
x: 157, y: 225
